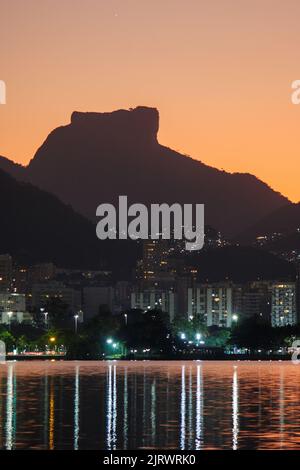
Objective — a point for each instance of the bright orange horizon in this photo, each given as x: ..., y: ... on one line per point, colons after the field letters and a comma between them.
x: 220, y: 73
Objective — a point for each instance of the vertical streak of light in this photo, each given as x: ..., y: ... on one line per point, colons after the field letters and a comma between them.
x: 14, y: 407
x: 199, y: 408
x: 281, y: 406
x: 182, y: 410
x: 51, y: 416
x: 153, y: 412
x: 114, y: 409
x: 190, y: 408
x: 125, y: 409
x: 9, y: 407
x: 167, y: 409
x: 109, y: 408
x: 76, y: 409
x: 235, y: 409
x: 144, y: 409
x: 46, y: 408
x: 135, y: 404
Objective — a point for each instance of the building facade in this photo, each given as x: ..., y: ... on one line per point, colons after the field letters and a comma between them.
x: 94, y: 297
x: 152, y: 299
x: 6, y: 271
x: 283, y: 308
x: 13, y: 308
x: 211, y: 302
x: 43, y: 292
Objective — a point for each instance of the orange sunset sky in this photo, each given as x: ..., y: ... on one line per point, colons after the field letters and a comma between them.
x: 219, y: 71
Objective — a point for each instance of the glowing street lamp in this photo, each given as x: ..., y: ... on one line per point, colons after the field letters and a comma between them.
x: 235, y: 317
x: 198, y: 336
x: 43, y: 312
x: 9, y: 314
x: 112, y: 343
x: 76, y: 316
x: 182, y: 336
x: 52, y: 340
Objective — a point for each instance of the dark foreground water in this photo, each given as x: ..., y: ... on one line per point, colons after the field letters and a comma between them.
x: 130, y: 405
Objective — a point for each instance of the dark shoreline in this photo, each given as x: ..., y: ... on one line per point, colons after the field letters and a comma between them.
x: 225, y: 357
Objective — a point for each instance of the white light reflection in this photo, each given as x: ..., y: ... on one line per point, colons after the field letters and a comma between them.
x: 190, y: 408
x: 111, y: 437
x: 9, y: 406
x: 125, y: 409
x: 114, y: 410
x: 109, y: 408
x: 153, y: 412
x: 144, y: 406
x: 182, y: 410
x: 199, y: 408
x: 235, y: 409
x: 76, y: 409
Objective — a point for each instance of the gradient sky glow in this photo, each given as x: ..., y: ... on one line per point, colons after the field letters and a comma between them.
x: 219, y: 71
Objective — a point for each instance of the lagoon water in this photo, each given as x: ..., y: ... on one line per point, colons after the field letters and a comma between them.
x: 151, y: 404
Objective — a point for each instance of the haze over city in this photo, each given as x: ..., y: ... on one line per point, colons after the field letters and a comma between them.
x: 219, y: 72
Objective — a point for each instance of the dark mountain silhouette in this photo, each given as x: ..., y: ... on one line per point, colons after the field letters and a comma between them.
x: 36, y: 226
x: 285, y: 220
x: 14, y: 169
x: 99, y: 156
x: 285, y: 243
x: 240, y: 264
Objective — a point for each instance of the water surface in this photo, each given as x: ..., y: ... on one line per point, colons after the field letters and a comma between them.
x: 150, y: 404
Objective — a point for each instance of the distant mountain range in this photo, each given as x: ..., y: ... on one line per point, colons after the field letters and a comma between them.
x: 285, y: 220
x: 284, y: 244
x: 36, y: 226
x: 99, y: 156
x: 240, y: 264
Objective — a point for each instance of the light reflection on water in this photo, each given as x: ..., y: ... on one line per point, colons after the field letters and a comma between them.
x: 151, y: 404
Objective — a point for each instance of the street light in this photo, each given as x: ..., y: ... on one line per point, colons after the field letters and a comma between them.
x: 235, y: 317
x: 76, y: 316
x: 43, y: 312
x: 9, y: 314
x: 198, y: 336
x: 182, y: 336
x: 112, y: 344
x: 52, y: 340
x: 126, y: 318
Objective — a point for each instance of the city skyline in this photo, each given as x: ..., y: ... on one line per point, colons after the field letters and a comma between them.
x: 150, y: 242
x: 220, y: 74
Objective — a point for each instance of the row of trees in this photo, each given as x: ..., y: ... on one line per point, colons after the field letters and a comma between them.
x: 137, y: 330
x: 255, y: 333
